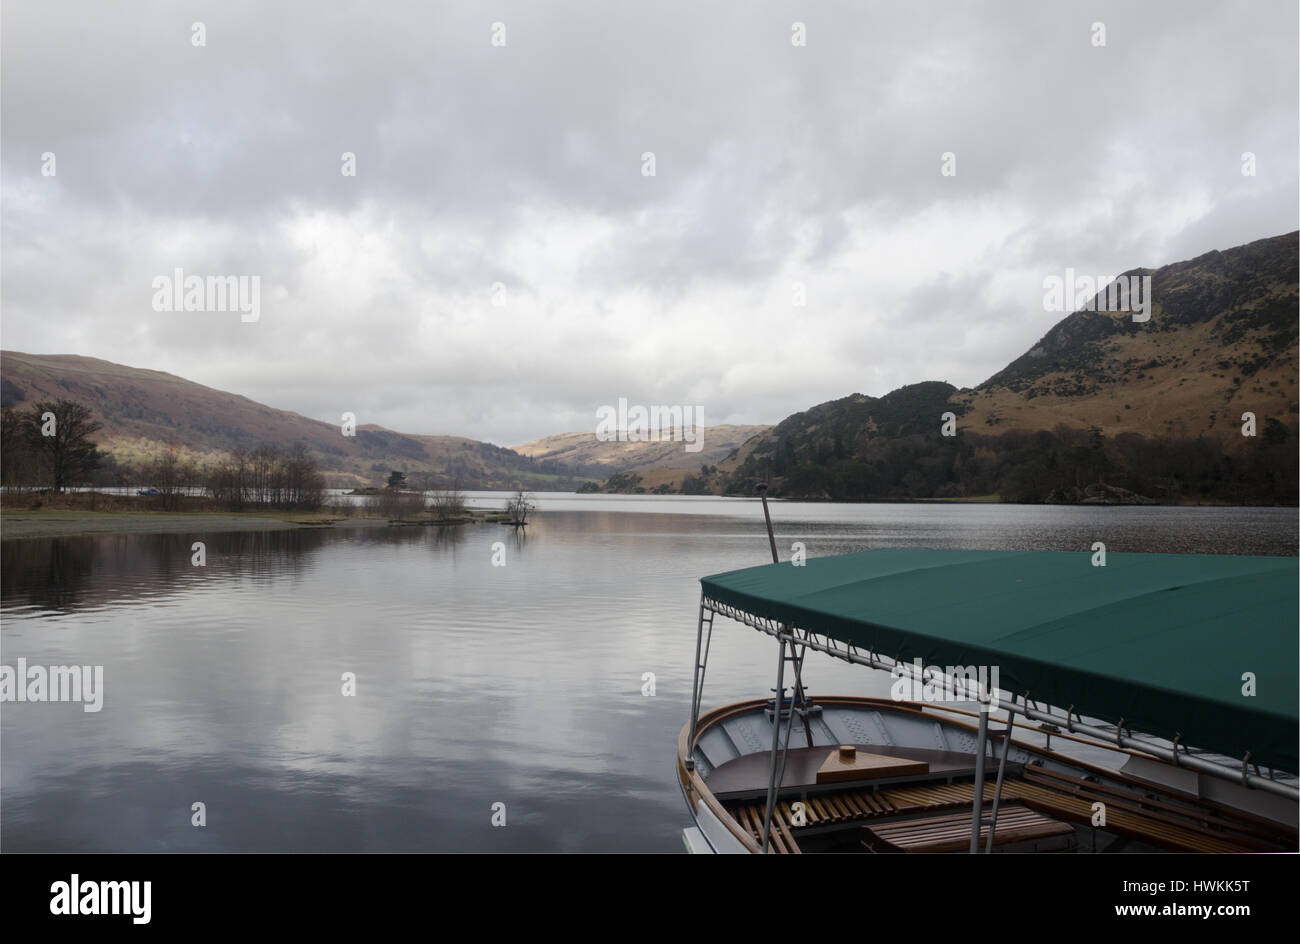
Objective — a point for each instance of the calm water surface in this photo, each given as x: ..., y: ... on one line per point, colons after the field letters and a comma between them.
x: 475, y: 684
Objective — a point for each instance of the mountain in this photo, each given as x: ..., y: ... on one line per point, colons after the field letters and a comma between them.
x: 141, y: 410
x: 586, y: 451
x: 1221, y: 340
x: 1102, y: 407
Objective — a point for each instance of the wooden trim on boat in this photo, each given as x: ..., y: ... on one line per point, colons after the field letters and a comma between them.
x: 693, y: 784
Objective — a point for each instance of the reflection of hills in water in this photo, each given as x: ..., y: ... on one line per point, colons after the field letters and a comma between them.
x: 38, y: 577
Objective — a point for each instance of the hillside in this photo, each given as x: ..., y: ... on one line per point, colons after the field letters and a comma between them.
x: 1099, y: 403
x: 1221, y: 341
x: 1152, y: 407
x: 142, y: 410
x: 584, y: 450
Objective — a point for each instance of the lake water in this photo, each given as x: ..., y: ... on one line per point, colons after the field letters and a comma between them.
x: 475, y: 684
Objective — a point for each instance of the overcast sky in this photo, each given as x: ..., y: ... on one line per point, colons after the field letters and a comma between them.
x: 522, y: 165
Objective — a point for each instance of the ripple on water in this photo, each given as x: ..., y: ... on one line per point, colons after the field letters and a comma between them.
x: 474, y: 684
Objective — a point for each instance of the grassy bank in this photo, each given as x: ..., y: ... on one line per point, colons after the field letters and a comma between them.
x: 55, y: 522
x: 49, y: 516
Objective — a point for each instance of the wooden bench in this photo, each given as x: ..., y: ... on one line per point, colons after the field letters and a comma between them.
x: 951, y: 832
x: 1195, y: 813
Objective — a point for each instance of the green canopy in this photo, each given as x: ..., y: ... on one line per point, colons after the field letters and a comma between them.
x: 1161, y: 641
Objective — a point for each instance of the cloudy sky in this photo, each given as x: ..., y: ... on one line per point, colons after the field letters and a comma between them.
x: 522, y: 164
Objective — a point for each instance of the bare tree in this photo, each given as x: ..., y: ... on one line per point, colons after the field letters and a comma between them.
x: 267, y: 476
x: 395, y: 504
x: 171, y: 475
x: 518, y: 508
x: 303, y: 485
x: 59, y: 432
x: 21, y: 466
x: 448, y: 503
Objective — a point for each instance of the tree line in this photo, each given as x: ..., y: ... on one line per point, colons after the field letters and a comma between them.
x: 266, y: 475
x: 1025, y: 466
x: 49, y: 446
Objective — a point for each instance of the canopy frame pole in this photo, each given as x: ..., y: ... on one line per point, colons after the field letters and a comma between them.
x: 798, y: 698
x: 776, y: 736
x: 789, y: 725
x: 1002, y: 770
x: 801, y: 696
x: 697, y: 684
x: 977, y: 793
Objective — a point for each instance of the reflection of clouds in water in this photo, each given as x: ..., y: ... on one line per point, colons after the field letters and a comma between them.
x: 475, y: 683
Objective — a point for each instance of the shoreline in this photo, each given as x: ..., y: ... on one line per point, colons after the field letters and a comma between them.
x: 17, y: 524
x: 28, y: 524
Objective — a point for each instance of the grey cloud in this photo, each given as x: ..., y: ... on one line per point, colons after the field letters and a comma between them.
x: 522, y: 166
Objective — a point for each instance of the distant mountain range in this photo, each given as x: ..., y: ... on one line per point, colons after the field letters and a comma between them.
x: 1153, y: 406
x: 142, y: 410
x: 586, y: 451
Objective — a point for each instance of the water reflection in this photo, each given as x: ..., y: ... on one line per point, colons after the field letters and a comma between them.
x: 475, y: 683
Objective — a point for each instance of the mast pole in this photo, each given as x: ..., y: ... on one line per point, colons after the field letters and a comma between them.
x: 767, y: 517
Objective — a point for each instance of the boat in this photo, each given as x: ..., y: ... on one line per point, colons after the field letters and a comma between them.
x: 1038, y: 702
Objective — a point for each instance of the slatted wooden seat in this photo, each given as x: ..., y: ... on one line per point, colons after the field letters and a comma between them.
x: 750, y: 816
x: 1193, y: 811
x: 1077, y: 807
x: 849, y: 806
x: 951, y: 832
x: 1052, y: 795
